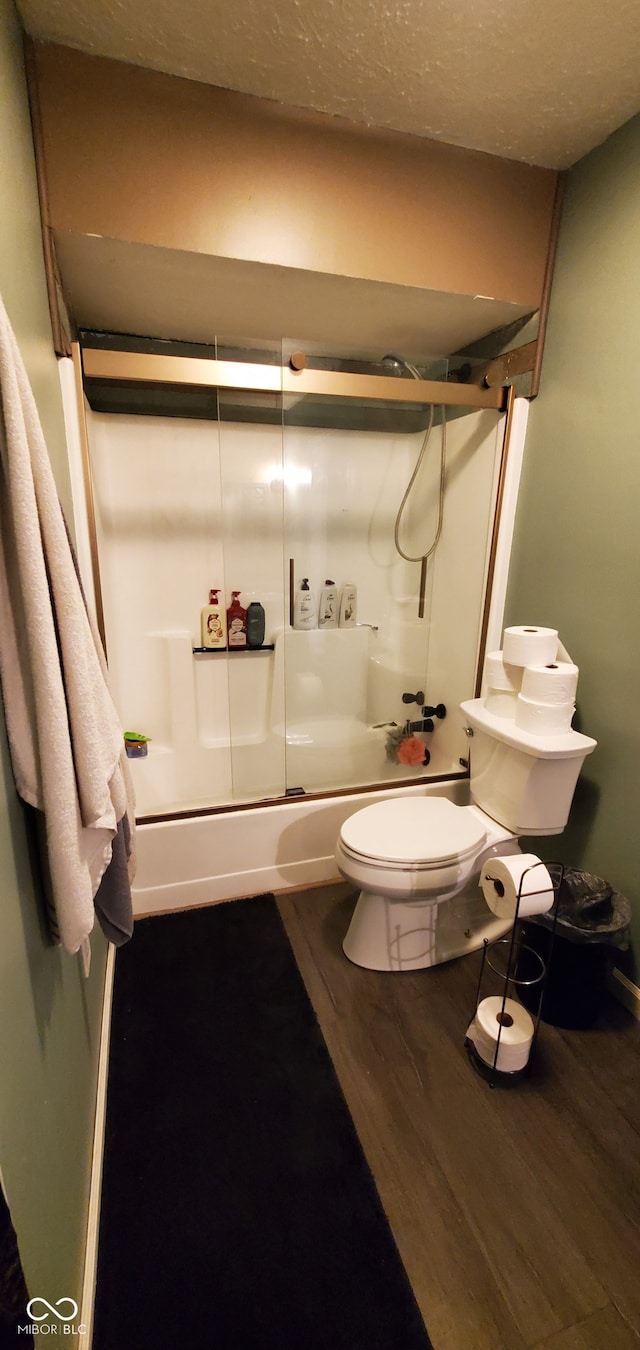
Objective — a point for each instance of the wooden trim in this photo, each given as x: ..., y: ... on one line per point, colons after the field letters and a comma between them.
x: 149, y: 368
x: 511, y: 398
x: 60, y: 325
x: 502, y: 369
x: 554, y: 232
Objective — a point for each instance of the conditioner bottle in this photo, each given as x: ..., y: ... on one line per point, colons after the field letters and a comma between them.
x: 348, y: 605
x: 328, y: 613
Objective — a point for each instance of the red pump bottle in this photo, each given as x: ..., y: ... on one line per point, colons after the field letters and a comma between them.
x: 236, y: 623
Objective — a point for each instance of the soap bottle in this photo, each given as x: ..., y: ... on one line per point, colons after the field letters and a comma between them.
x: 305, y: 614
x: 236, y: 623
x: 214, y: 623
x: 348, y: 605
x: 328, y: 613
x: 255, y: 624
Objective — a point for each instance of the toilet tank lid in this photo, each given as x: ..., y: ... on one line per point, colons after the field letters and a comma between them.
x: 413, y: 830
x: 570, y: 745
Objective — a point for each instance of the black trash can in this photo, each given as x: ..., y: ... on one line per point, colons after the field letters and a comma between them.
x: 592, y: 921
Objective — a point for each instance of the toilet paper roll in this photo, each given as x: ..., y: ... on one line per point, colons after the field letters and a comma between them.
x: 554, y: 683
x: 504, y: 1018
x: 543, y: 719
x: 529, y: 646
x: 519, y: 874
x: 501, y: 702
x: 498, y: 674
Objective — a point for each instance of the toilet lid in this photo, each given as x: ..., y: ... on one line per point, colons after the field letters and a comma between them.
x: 428, y: 830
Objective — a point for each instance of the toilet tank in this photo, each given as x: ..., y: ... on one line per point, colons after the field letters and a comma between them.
x: 523, y: 781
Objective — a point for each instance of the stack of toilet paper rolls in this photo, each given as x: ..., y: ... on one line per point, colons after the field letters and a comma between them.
x: 502, y: 1030
x: 529, y: 684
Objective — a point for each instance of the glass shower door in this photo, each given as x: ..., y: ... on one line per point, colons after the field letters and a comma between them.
x: 254, y: 490
x: 250, y: 430
x: 355, y: 693
x: 158, y: 516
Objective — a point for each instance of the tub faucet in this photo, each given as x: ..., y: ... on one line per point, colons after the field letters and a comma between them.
x: 372, y: 626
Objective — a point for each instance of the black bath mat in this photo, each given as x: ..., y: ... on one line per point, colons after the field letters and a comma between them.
x: 238, y: 1211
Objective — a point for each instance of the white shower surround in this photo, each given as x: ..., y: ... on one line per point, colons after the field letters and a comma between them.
x: 218, y: 856
x: 183, y: 505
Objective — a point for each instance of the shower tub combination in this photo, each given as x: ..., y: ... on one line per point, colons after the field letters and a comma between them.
x: 240, y: 739
x: 310, y: 714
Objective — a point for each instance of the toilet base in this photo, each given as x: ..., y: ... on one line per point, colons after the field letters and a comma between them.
x: 398, y: 935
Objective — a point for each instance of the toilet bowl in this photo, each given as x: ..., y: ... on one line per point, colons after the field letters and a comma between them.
x: 418, y: 860
x: 408, y: 857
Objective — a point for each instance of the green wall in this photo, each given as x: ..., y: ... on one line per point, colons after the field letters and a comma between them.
x: 49, y: 1016
x: 576, y: 554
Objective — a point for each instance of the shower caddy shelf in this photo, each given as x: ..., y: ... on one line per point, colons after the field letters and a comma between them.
x: 516, y: 946
x: 235, y: 651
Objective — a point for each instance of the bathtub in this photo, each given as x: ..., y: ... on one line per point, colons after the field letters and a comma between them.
x: 223, y: 855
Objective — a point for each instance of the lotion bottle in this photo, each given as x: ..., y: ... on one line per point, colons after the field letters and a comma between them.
x: 305, y: 613
x: 348, y: 605
x: 328, y: 613
x: 214, y: 623
x: 236, y: 623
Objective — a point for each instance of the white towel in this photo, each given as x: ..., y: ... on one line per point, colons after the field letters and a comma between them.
x: 65, y: 737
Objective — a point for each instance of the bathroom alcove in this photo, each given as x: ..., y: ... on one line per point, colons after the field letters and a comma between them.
x: 357, y: 242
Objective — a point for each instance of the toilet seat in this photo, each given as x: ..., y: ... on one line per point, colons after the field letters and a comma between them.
x: 415, y: 832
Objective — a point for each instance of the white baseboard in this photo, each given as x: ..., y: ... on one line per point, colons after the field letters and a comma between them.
x: 93, y: 1220
x: 624, y: 990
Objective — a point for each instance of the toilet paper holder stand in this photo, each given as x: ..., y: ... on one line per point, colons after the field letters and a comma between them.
x: 513, y: 946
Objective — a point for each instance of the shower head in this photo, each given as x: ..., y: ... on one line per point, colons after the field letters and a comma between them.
x: 398, y: 361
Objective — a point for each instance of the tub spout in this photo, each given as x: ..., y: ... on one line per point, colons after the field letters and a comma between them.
x: 372, y: 626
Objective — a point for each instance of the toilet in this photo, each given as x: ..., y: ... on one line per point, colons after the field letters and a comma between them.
x: 417, y: 860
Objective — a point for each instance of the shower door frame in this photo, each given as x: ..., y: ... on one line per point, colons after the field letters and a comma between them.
x: 132, y: 368
x: 188, y: 371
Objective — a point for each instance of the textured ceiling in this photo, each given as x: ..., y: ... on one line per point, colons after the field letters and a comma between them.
x: 535, y: 80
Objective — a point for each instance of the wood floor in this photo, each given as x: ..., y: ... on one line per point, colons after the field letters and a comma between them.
x: 516, y: 1210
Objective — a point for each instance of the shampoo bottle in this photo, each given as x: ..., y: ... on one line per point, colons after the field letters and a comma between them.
x: 255, y: 624
x: 305, y: 613
x: 348, y: 605
x: 214, y: 624
x: 236, y: 623
x: 328, y: 613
